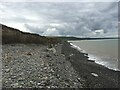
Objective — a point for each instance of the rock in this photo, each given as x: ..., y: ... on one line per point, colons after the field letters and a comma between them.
x: 22, y: 83
x: 13, y: 77
x: 45, y: 68
x: 42, y: 64
x: 7, y: 70
x: 48, y: 56
x: 31, y: 82
x: 75, y: 83
x: 67, y: 84
x: 68, y: 57
x: 48, y: 86
x: 52, y: 70
x: 15, y: 85
x: 9, y: 79
x: 52, y: 49
x: 29, y: 53
x: 52, y: 86
x: 42, y: 70
x: 21, y: 79
x: 78, y: 79
x: 58, y: 76
x: 85, y: 54
x: 12, y: 44
x: 42, y: 83
x: 71, y: 54
x: 38, y: 83
x: 20, y: 86
x: 94, y: 74
x: 62, y: 55
x: 45, y: 78
x: 40, y: 86
x: 91, y: 60
x: 21, y: 73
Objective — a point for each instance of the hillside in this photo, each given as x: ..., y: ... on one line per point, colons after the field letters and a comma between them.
x: 11, y: 35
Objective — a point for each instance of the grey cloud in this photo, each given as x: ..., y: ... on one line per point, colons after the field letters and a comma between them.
x: 118, y: 11
x: 34, y: 29
x: 75, y: 19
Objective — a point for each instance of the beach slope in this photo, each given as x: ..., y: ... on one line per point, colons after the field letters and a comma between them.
x: 34, y: 61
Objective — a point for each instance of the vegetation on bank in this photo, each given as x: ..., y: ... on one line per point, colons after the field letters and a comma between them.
x: 11, y: 35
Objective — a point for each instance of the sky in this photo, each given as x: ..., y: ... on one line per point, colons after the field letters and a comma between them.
x: 80, y: 19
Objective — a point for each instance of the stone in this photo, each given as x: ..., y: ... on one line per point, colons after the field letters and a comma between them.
x: 94, y: 74
x: 52, y: 86
x: 40, y: 86
x: 21, y: 79
x: 78, y: 79
x: 52, y: 49
x: 45, y: 78
x: 38, y: 83
x: 91, y: 60
x: 29, y: 53
x: 13, y: 77
x: 48, y: 86
x: 45, y: 68
x: 7, y: 70
x: 48, y: 56
x: 71, y: 54
x: 15, y: 85
x: 21, y: 73
x: 31, y: 82
x: 52, y: 70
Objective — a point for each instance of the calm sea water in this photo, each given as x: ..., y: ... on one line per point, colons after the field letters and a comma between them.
x: 104, y: 52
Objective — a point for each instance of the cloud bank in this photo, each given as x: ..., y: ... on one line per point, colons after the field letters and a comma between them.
x: 82, y: 19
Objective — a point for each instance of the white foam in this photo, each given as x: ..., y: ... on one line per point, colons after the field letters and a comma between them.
x: 92, y: 57
x: 76, y: 47
x: 98, y: 60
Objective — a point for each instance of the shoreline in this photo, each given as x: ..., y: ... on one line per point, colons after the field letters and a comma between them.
x: 68, y: 68
x: 93, y: 74
x: 92, y: 57
x: 28, y: 61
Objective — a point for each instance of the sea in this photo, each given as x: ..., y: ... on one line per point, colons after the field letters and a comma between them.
x: 102, y: 51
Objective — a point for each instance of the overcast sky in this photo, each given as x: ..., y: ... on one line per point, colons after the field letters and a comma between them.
x: 81, y: 19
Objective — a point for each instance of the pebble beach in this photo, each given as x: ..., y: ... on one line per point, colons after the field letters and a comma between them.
x: 34, y: 61
x: 33, y: 66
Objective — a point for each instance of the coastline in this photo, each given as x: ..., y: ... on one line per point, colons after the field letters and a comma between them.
x: 93, y: 74
x: 28, y: 61
x: 67, y: 68
x: 93, y: 58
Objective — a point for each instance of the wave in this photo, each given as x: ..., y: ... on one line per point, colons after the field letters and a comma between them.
x: 97, y: 60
